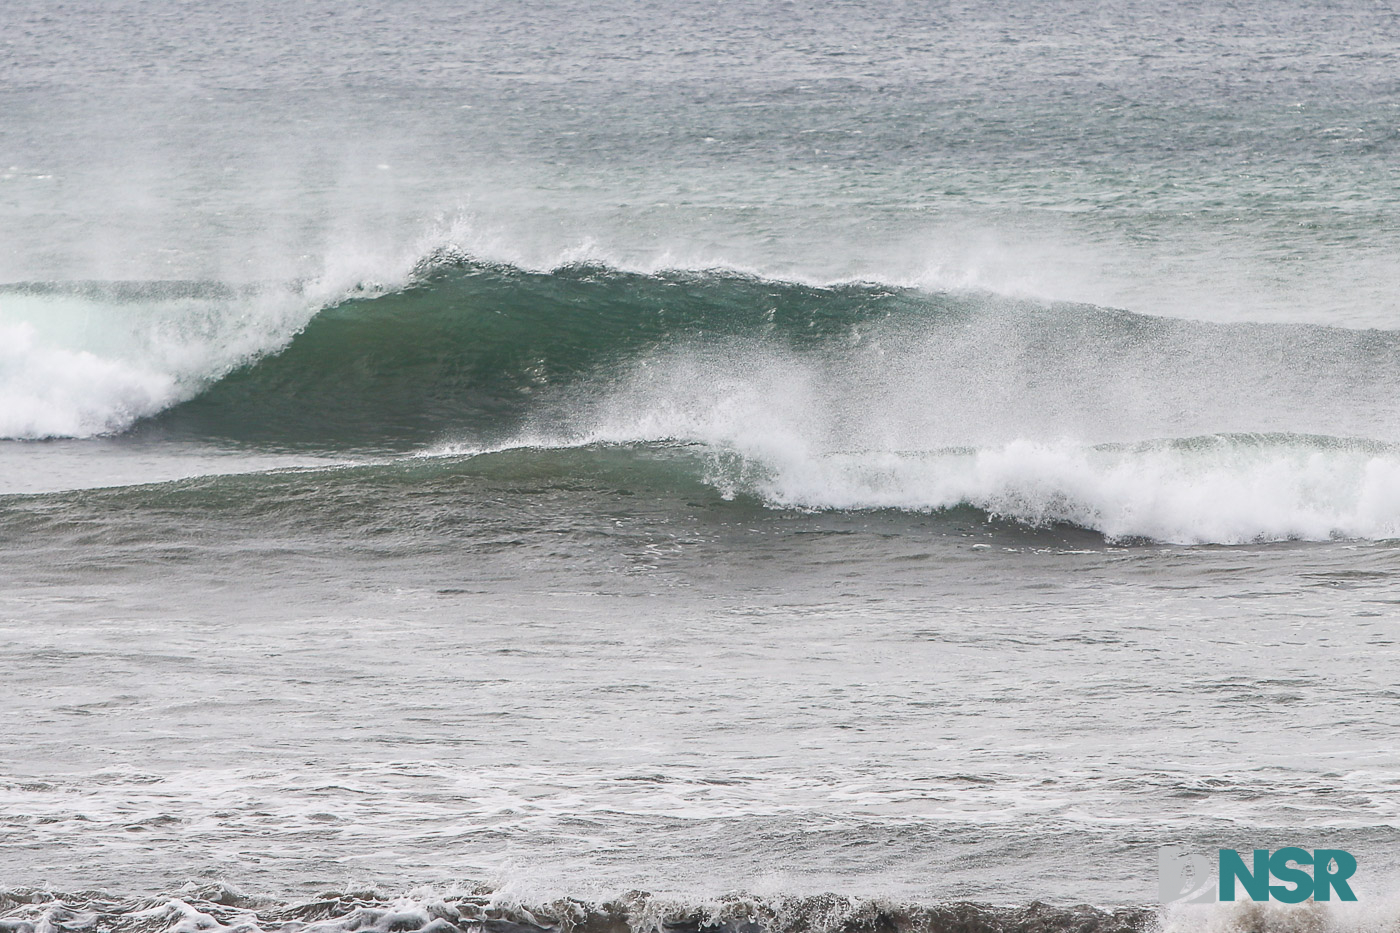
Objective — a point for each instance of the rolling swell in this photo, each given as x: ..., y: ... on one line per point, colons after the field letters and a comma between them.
x: 1223, y: 489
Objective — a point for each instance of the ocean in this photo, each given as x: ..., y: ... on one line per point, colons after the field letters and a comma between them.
x: 727, y: 467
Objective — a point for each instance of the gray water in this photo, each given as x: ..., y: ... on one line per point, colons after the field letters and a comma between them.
x: 916, y: 453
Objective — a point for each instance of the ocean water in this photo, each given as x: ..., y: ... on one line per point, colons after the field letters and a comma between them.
x: 724, y: 467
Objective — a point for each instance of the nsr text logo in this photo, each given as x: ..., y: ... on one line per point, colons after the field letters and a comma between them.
x: 1186, y: 877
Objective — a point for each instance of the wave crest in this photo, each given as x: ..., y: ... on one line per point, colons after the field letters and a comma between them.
x: 477, y: 352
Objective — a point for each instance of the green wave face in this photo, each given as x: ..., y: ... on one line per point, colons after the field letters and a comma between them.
x: 470, y: 348
x: 474, y: 353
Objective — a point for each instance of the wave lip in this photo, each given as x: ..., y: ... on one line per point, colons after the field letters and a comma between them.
x: 50, y: 391
x: 84, y: 359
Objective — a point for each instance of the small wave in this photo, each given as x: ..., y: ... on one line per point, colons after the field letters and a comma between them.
x: 1212, y: 489
x: 1222, y: 489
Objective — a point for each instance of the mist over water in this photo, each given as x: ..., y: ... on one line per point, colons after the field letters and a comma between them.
x: 1224, y: 164
x: 805, y: 465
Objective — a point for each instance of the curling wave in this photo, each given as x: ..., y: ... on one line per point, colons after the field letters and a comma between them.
x: 477, y: 352
x: 857, y: 396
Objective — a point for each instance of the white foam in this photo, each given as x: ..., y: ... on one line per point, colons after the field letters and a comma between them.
x: 800, y: 435
x: 1229, y: 494
x: 77, y: 364
x: 791, y: 905
x: 48, y: 391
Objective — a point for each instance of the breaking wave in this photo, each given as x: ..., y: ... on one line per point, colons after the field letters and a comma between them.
x: 854, y: 396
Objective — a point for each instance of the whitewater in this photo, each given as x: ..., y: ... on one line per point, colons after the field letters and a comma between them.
x: 709, y: 468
